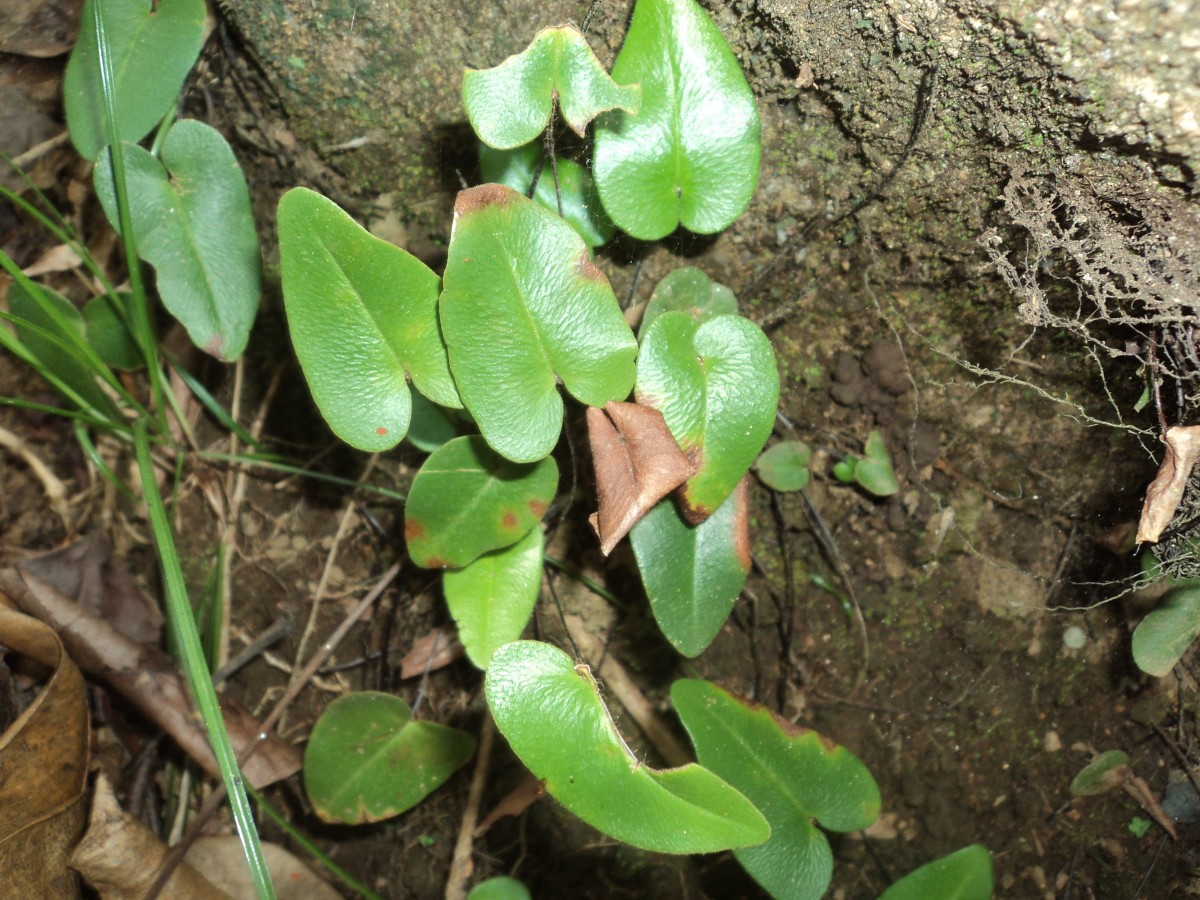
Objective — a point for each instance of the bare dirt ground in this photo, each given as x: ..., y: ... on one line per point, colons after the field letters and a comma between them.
x: 960, y: 694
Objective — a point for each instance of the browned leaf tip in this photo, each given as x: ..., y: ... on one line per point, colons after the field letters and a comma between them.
x: 481, y: 196
x: 1165, y: 492
x: 637, y: 464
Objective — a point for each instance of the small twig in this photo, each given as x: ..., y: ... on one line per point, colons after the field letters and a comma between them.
x: 825, y: 537
x: 56, y: 491
x: 217, y: 797
x: 1179, y: 755
x: 461, y: 865
x: 278, y: 629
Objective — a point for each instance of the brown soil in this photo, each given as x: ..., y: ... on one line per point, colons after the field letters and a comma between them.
x: 963, y: 699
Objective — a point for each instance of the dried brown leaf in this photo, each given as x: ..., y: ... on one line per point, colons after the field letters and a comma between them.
x: 1165, y: 492
x: 637, y: 463
x: 43, y: 768
x: 149, y: 680
x: 527, y: 792
x: 436, y: 649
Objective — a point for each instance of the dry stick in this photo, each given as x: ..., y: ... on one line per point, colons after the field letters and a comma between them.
x: 217, y: 797
x: 319, y: 595
x: 461, y: 865
x: 831, y: 548
x: 56, y: 491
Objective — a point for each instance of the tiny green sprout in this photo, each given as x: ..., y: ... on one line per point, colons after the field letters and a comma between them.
x: 873, y: 471
x: 784, y: 467
x: 426, y: 840
x: 1139, y: 827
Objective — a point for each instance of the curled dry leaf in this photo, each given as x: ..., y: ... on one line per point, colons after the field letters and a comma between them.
x: 1165, y: 492
x: 43, y: 768
x: 638, y: 462
x: 148, y: 679
x: 434, y: 650
x: 120, y: 857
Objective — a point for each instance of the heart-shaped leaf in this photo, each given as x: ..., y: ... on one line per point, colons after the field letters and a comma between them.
x: 152, y: 51
x: 717, y: 386
x: 368, y: 760
x: 363, y: 317
x: 549, y: 710
x: 510, y: 104
x: 580, y: 202
x: 691, y: 155
x: 693, y: 573
x: 791, y: 774
x: 492, y: 598
x: 54, y: 337
x: 874, y: 471
x: 965, y: 874
x: 637, y: 464
x: 524, y: 306
x: 784, y: 467
x: 1161, y: 639
x: 466, y: 500
x: 192, y: 222
x: 688, y: 290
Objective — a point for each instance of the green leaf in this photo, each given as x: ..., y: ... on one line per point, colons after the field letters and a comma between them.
x: 843, y: 470
x: 1161, y: 639
x: 510, y: 104
x: 550, y: 712
x: 784, y: 467
x: 693, y: 573
x: 1102, y: 774
x: 965, y: 874
x: 368, y: 760
x: 152, y: 53
x: 363, y: 317
x: 791, y: 774
x: 192, y: 222
x: 874, y: 471
x: 466, y: 501
x: 53, y: 337
x: 430, y: 425
x: 691, y: 155
x: 524, y: 306
x: 108, y: 334
x: 717, y: 387
x: 501, y: 888
x: 580, y: 202
x: 688, y: 290
x: 492, y: 598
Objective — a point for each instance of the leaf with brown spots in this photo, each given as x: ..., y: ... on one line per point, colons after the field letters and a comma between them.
x: 637, y: 464
x: 1165, y: 492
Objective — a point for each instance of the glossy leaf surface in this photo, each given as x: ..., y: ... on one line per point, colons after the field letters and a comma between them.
x: 368, y: 759
x: 510, y: 104
x: 965, y: 874
x: 693, y: 573
x: 784, y: 467
x: 524, y: 306
x: 717, y: 386
x: 466, y: 501
x: 554, y: 719
x: 152, y: 53
x: 691, y: 155
x: 363, y: 319
x: 1161, y: 639
x: 691, y: 291
x: 580, y: 202
x: 499, y: 888
x: 791, y: 774
x: 192, y: 222
x: 492, y: 598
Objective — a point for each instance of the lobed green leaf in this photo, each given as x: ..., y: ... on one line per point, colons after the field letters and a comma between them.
x: 691, y: 291
x: 784, y: 467
x: 549, y: 710
x: 363, y: 318
x: 192, y: 222
x: 691, y: 155
x: 510, y: 104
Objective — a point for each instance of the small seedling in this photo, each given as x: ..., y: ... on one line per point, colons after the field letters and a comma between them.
x: 873, y: 471
x: 965, y: 874
x: 1161, y: 639
x: 784, y: 467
